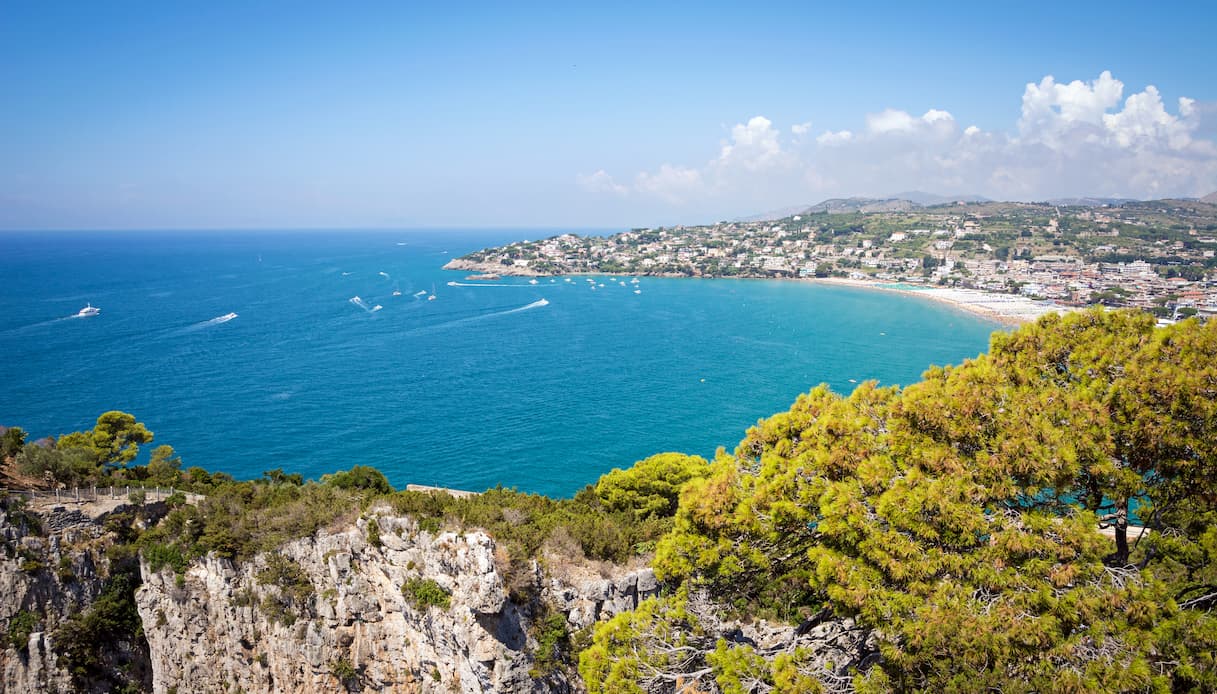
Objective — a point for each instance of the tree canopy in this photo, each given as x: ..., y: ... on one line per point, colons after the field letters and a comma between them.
x: 958, y: 518
x: 113, y: 442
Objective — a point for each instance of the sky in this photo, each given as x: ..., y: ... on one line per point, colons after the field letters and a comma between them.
x: 155, y: 115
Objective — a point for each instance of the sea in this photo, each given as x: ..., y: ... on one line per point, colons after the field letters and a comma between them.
x: 313, y: 351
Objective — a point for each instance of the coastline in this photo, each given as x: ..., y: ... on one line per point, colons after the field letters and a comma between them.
x: 1006, y: 309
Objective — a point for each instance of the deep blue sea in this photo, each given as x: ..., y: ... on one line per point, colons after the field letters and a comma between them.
x: 542, y: 387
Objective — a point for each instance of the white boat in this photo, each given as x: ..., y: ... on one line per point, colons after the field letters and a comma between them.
x: 637, y: 291
x: 396, y: 292
x: 88, y: 310
x: 226, y: 317
x: 532, y: 281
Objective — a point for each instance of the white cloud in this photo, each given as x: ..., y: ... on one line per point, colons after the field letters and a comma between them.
x: 829, y: 138
x: 1144, y: 120
x: 676, y: 184
x: 889, y: 121
x: 754, y: 145
x: 1075, y: 138
x: 600, y: 182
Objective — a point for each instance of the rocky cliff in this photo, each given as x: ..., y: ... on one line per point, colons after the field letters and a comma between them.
x: 56, y: 565
x: 375, y: 605
x: 381, y: 606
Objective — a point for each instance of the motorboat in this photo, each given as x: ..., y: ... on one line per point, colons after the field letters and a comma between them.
x: 88, y: 310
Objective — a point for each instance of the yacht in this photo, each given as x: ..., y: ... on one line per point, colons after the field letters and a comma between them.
x: 88, y: 310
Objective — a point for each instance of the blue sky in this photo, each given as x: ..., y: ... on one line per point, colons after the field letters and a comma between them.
x: 246, y: 115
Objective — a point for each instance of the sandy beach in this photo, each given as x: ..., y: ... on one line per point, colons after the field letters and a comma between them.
x: 1007, y: 309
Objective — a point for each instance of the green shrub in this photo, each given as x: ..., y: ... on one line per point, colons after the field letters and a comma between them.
x: 374, y: 533
x: 424, y: 592
x: 160, y: 556
x: 344, y: 671
x: 64, y: 571
x: 553, y: 644
x: 360, y: 477
x: 20, y: 627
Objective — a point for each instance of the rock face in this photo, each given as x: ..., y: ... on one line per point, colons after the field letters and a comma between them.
x: 378, y: 605
x: 55, y: 564
x: 344, y: 620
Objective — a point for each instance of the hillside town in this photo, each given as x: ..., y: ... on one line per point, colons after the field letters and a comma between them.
x: 1158, y: 255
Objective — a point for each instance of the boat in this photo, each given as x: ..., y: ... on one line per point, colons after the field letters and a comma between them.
x: 88, y: 310
x: 396, y: 292
x: 432, y: 297
x: 532, y: 281
x: 227, y: 317
x: 637, y: 291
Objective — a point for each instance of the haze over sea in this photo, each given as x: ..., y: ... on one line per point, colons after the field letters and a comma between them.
x: 485, y: 385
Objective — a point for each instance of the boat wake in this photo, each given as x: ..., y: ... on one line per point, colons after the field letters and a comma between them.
x: 207, y: 323
x: 483, y: 284
x: 364, y: 305
x: 473, y: 319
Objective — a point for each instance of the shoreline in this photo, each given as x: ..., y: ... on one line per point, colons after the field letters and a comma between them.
x: 1004, y: 309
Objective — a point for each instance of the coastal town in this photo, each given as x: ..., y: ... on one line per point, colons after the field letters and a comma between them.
x: 1032, y: 257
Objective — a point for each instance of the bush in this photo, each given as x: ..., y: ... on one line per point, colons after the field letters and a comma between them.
x: 652, y: 486
x: 361, y: 478
x: 553, y: 644
x: 160, y: 556
x: 344, y: 671
x: 422, y: 593
x: 374, y: 533
x: 20, y: 627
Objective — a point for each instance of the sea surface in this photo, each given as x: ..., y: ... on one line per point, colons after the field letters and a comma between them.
x: 543, y: 387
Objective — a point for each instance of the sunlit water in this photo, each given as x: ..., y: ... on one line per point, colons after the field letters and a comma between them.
x: 253, y: 351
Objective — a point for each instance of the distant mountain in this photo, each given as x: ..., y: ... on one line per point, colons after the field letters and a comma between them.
x: 847, y: 205
x: 775, y: 214
x: 1211, y: 198
x: 1089, y: 202
x: 929, y: 199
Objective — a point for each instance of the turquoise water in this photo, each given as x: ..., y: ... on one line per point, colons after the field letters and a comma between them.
x: 542, y: 387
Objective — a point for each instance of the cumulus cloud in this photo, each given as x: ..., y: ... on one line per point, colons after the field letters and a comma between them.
x: 754, y: 145
x: 1069, y: 138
